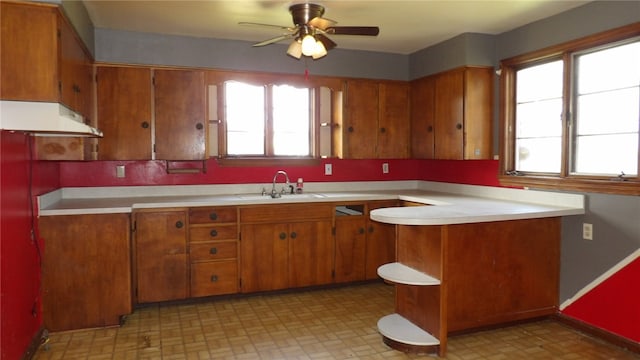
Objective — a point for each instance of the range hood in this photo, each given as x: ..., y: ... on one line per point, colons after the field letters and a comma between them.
x: 43, y: 119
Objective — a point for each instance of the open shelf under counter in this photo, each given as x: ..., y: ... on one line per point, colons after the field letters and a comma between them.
x: 402, y: 274
x: 397, y: 328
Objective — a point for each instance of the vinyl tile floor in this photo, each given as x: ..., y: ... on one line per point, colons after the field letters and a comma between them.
x: 336, y: 323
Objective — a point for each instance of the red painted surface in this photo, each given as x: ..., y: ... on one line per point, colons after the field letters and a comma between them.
x: 613, y: 305
x: 19, y: 261
x: 139, y: 173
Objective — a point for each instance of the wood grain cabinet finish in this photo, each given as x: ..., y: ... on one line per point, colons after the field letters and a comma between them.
x: 86, y: 270
x: 381, y: 240
x: 285, y: 246
x: 124, y: 112
x: 451, y: 114
x: 181, y: 124
x: 213, y: 251
x: 43, y: 59
x: 161, y: 259
x: 376, y: 123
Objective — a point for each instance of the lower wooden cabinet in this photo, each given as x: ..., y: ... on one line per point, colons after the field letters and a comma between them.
x: 381, y: 240
x: 86, y: 270
x: 161, y: 255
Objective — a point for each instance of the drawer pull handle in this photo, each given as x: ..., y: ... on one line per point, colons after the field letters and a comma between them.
x: 213, y: 233
x: 179, y: 224
x: 283, y: 236
x: 213, y: 251
x: 213, y: 216
x: 214, y: 278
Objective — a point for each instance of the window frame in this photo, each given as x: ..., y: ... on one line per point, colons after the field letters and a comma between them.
x: 565, y: 180
x: 218, y: 78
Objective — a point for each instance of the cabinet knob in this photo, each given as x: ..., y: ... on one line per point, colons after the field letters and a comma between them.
x: 371, y: 229
x: 213, y: 233
x: 383, y: 130
x: 458, y: 126
x: 199, y: 126
x: 361, y: 231
x: 294, y: 235
x: 214, y: 278
x: 179, y: 224
x: 283, y: 236
x: 213, y: 216
x: 429, y: 128
x: 350, y: 129
x: 144, y: 125
x: 213, y: 251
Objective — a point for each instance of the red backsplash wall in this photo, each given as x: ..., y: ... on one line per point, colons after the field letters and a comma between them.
x: 19, y: 260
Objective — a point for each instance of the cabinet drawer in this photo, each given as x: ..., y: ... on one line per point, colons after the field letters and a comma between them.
x: 209, y: 233
x: 213, y: 251
x: 209, y: 215
x: 214, y: 278
x: 286, y: 212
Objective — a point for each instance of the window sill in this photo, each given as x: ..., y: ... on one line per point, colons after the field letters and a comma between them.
x: 260, y: 161
x: 627, y: 187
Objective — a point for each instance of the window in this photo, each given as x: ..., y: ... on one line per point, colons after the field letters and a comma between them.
x: 571, y: 115
x: 273, y: 120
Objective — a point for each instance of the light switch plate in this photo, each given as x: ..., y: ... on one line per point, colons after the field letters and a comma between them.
x: 120, y: 171
x: 328, y: 169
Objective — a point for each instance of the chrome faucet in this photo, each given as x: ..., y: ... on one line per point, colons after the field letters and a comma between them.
x: 274, y: 193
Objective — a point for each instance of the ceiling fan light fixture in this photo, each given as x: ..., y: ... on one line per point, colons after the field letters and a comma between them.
x: 295, y: 49
x: 308, y: 45
x: 320, y: 50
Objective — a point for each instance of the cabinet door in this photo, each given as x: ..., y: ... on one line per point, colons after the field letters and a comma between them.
x: 449, y: 121
x: 180, y: 115
x: 124, y: 113
x: 310, y: 253
x: 161, y: 256
x: 381, y: 241
x: 478, y: 115
x: 29, y: 52
x: 422, y: 121
x: 264, y: 257
x: 350, y: 248
x: 361, y: 123
x: 393, y: 121
x: 86, y: 270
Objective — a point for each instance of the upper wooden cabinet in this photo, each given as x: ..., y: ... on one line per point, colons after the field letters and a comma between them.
x: 124, y: 112
x: 131, y: 115
x: 376, y: 122
x: 451, y: 114
x: 181, y: 124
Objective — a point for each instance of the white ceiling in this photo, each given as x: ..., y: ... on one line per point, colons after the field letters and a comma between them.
x: 405, y: 26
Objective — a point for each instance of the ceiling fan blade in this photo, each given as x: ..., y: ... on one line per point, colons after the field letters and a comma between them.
x: 353, y: 30
x: 328, y: 43
x: 288, y: 28
x: 274, y: 40
x: 321, y: 23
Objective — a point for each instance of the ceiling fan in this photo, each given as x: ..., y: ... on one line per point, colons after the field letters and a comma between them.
x: 310, y: 31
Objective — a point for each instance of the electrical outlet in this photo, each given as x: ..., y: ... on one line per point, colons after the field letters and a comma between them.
x: 328, y: 169
x: 587, y: 231
x: 385, y: 168
x: 120, y: 171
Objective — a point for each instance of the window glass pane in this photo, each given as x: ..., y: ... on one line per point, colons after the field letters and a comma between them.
x: 539, y: 118
x: 244, y: 115
x: 607, y: 114
x: 291, y: 121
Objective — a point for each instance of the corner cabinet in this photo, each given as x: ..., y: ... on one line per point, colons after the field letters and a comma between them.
x: 451, y: 114
x: 376, y: 120
x: 86, y: 270
x: 515, y: 276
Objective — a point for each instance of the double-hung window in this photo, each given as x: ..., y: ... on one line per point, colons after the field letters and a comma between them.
x: 571, y: 115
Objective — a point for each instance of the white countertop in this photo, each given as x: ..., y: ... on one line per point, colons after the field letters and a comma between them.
x: 444, y: 203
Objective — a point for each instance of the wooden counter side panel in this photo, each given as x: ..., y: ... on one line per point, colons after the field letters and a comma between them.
x: 502, y: 271
x: 86, y: 270
x: 420, y: 247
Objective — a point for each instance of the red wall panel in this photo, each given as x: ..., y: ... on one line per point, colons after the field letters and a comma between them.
x: 19, y: 260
